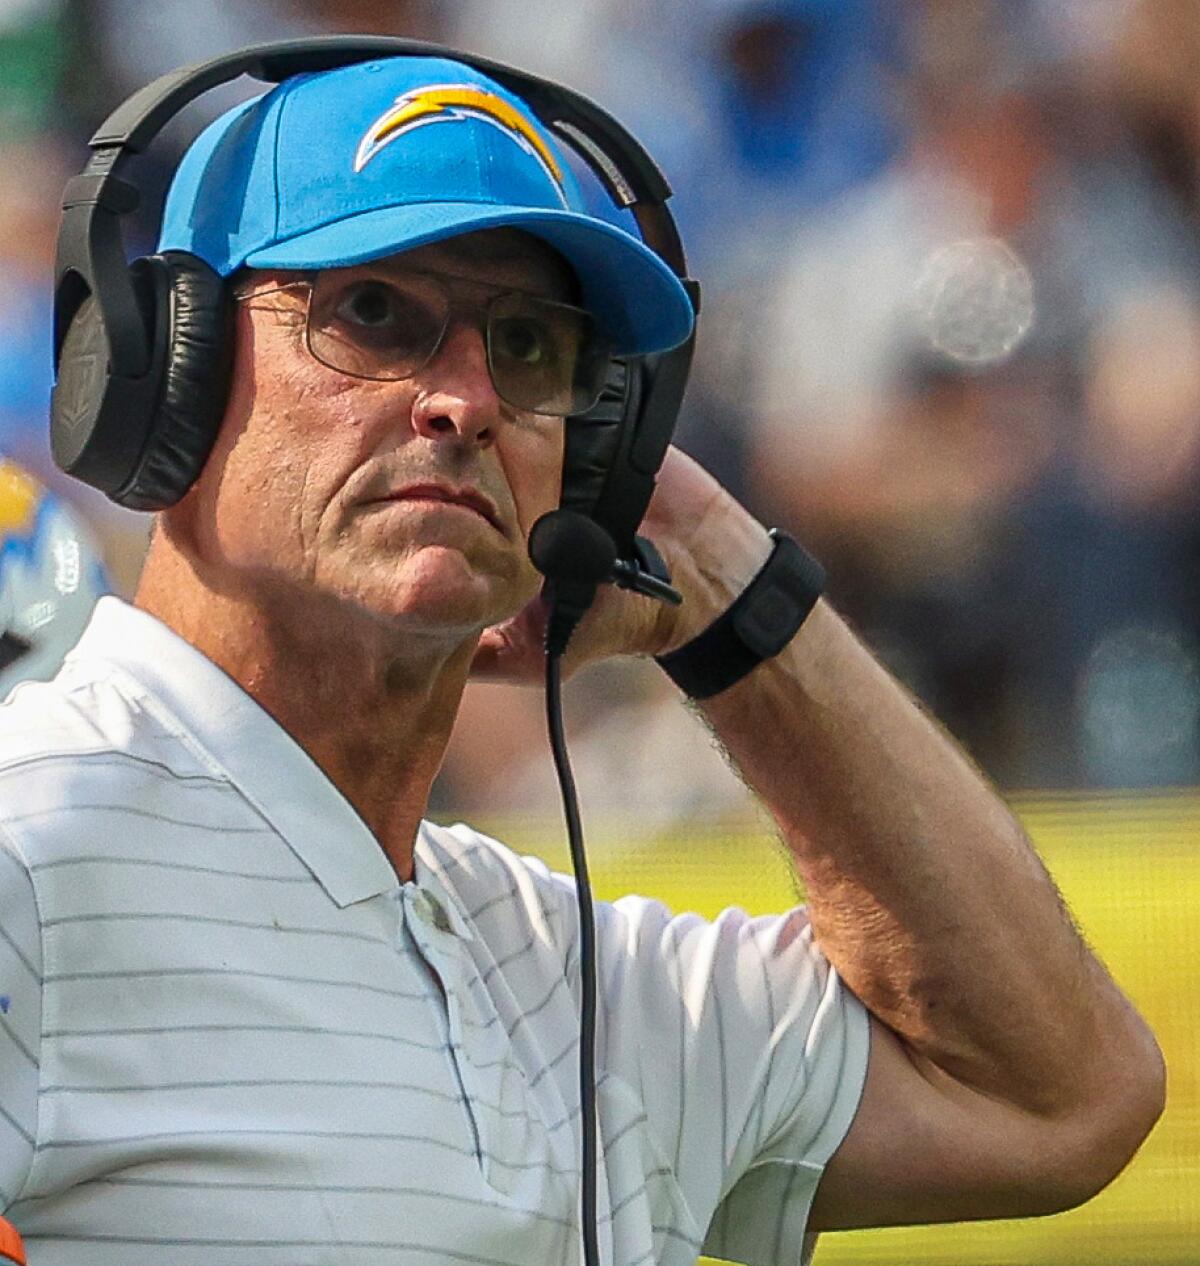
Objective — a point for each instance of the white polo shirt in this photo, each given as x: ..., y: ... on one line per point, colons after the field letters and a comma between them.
x: 230, y: 1037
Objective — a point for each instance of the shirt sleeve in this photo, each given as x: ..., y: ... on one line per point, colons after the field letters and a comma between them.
x: 20, y: 1021
x: 749, y: 1054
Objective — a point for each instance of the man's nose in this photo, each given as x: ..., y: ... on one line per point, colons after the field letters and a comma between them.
x: 456, y: 396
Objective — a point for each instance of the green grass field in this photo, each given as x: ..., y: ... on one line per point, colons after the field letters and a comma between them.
x: 1130, y: 870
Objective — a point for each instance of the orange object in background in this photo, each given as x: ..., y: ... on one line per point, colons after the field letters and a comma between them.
x: 11, y: 1248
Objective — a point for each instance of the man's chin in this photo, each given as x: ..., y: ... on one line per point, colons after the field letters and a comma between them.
x: 439, y: 592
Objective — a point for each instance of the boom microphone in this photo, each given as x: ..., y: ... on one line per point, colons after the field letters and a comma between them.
x: 576, y: 555
x: 568, y: 546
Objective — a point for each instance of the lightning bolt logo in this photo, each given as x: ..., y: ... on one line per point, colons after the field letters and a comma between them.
x: 449, y: 103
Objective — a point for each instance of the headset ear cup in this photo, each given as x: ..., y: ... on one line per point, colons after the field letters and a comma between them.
x: 614, y: 451
x: 192, y: 336
x: 593, y: 440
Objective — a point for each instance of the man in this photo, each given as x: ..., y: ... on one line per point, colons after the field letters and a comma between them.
x: 258, y: 1010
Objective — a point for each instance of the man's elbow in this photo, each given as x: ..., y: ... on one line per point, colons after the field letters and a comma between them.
x: 1104, y: 1137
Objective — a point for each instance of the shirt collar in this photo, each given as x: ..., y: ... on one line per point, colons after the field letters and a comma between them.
x: 431, y: 861
x: 247, y: 746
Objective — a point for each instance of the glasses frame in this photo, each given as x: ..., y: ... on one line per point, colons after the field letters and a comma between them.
x: 456, y: 309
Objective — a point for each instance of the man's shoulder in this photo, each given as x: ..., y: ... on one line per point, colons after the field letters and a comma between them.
x: 81, y: 743
x: 81, y: 713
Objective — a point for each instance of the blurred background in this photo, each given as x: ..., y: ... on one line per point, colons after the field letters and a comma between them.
x: 951, y: 259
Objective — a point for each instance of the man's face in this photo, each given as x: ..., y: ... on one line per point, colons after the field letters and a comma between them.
x: 410, y: 500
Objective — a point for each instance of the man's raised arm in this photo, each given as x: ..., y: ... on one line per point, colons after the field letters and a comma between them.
x: 1008, y: 1074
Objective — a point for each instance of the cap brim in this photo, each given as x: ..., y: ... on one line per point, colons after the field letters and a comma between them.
x: 635, y: 296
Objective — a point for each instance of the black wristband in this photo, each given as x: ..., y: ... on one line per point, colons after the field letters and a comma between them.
x: 761, y: 622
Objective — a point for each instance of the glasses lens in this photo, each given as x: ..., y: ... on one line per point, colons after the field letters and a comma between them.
x: 373, y: 328
x: 544, y: 357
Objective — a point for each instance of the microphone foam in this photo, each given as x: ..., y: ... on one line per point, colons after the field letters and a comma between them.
x: 567, y: 545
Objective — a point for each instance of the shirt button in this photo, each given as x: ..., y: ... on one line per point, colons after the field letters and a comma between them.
x: 429, y: 910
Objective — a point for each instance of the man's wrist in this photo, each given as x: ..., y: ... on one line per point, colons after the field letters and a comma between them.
x: 719, y: 560
x: 756, y: 625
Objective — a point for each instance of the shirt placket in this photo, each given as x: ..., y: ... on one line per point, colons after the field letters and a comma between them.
x: 475, y: 1037
x: 511, y: 1135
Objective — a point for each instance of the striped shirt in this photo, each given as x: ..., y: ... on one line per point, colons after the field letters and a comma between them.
x: 229, y: 1035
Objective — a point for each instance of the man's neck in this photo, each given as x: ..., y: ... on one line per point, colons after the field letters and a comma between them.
x: 374, y: 712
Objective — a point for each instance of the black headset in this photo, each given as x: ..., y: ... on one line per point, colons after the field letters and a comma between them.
x: 143, y: 349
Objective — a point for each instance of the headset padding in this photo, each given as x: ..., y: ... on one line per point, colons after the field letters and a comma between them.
x: 197, y: 359
x: 593, y: 440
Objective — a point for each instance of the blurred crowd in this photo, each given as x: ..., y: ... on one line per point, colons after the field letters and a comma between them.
x: 950, y: 252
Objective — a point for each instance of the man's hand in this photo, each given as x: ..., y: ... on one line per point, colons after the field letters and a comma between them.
x: 713, y: 548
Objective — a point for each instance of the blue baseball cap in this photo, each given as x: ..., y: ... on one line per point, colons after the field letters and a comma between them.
x: 346, y: 166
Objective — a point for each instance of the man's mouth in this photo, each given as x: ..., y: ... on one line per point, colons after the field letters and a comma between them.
x: 467, y: 498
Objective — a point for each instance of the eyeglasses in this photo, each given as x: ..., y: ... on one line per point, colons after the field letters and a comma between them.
x: 543, y: 356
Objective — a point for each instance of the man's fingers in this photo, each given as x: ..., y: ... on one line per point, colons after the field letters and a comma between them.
x: 512, y: 651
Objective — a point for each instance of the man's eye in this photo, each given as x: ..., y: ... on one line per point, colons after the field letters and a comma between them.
x: 378, y: 316
x: 369, y: 303
x: 526, y: 341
